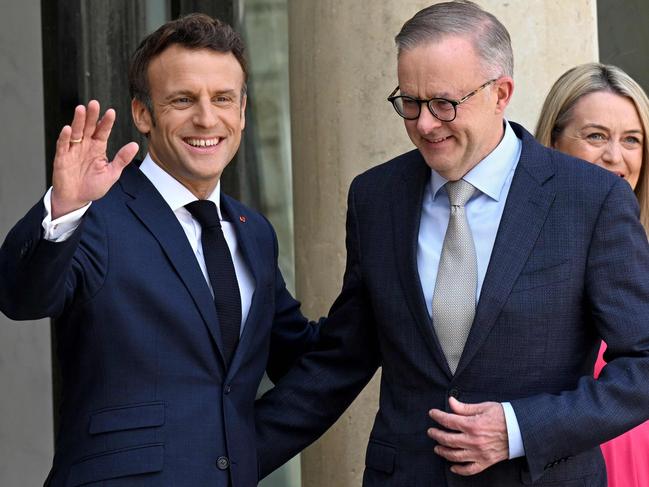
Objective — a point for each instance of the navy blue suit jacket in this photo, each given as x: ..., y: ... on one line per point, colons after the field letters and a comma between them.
x: 570, y: 266
x: 147, y: 400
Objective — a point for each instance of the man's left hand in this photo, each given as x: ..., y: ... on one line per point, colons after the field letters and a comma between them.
x: 477, y: 438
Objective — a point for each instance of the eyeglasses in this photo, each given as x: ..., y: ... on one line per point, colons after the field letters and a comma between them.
x: 442, y: 109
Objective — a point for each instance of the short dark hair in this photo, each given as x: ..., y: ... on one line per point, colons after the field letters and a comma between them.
x: 193, y: 31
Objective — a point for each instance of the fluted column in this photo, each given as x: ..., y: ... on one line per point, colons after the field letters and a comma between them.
x: 342, y: 68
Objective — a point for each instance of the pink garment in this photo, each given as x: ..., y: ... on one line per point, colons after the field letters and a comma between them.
x: 627, y: 456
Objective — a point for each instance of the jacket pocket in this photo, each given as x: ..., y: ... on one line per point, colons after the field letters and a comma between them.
x: 542, y: 277
x: 133, y: 416
x: 119, y: 463
x: 380, y: 456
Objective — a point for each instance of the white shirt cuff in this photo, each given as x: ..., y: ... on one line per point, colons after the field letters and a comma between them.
x: 60, y: 229
x: 516, y: 448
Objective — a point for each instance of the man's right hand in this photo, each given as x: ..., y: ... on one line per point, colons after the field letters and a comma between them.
x: 81, y: 171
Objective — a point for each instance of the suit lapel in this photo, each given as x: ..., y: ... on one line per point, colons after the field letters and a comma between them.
x: 530, y: 197
x: 406, y: 206
x: 245, y: 230
x: 154, y: 213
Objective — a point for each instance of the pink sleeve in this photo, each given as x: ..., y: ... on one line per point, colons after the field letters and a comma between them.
x: 600, y: 360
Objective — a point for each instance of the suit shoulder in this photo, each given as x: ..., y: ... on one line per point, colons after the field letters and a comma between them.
x: 386, y: 172
x: 583, y: 174
x: 572, y: 173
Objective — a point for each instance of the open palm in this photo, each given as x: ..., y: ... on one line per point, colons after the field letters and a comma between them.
x: 81, y: 171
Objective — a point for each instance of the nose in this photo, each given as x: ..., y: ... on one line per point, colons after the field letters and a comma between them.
x: 205, y: 114
x: 613, y: 154
x: 427, y: 122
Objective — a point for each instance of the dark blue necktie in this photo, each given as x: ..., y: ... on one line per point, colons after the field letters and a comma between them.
x: 221, y: 272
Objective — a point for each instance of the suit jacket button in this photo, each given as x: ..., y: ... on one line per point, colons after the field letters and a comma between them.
x: 222, y: 463
x: 455, y: 392
x: 227, y: 389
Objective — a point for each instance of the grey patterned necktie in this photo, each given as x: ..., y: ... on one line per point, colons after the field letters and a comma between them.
x: 457, y: 278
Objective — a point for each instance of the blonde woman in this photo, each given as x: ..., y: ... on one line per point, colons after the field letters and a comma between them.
x: 600, y: 114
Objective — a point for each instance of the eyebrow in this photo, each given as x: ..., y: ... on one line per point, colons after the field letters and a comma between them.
x: 606, y: 129
x: 226, y: 92
x: 190, y: 93
x: 175, y: 94
x: 446, y: 95
x: 595, y: 126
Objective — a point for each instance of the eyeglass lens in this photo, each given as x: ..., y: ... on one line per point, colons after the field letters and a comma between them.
x: 410, y: 108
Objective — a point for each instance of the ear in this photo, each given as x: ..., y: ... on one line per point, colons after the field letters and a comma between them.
x: 504, y: 89
x: 244, y: 100
x: 141, y: 117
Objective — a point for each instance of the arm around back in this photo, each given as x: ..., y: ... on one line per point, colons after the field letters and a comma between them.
x: 323, y: 383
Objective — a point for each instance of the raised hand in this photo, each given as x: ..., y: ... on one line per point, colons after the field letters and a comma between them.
x: 475, y: 437
x: 81, y: 171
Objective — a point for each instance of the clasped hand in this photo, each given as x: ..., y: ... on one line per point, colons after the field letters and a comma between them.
x: 474, y: 438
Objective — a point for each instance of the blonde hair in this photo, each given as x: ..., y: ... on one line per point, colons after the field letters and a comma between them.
x: 583, y: 80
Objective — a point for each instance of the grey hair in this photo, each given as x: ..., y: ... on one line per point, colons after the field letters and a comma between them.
x: 462, y: 18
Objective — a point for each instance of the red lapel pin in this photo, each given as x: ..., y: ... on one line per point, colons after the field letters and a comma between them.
x: 242, y: 219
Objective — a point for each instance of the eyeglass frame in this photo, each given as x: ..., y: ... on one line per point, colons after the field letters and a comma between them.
x: 454, y: 103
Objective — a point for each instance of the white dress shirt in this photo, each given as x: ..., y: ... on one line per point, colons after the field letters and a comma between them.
x: 492, y: 177
x: 177, y: 196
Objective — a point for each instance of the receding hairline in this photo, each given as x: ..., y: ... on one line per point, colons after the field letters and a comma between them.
x: 425, y: 34
x: 484, y: 31
x: 487, y: 69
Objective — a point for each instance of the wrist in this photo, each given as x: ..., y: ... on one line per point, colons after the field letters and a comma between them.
x: 61, y: 206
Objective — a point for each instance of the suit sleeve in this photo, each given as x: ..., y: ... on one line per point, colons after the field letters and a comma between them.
x: 292, y: 334
x: 558, y: 426
x: 38, y: 278
x: 309, y: 399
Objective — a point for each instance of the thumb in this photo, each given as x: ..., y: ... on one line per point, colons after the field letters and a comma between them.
x: 463, y: 409
x: 124, y: 156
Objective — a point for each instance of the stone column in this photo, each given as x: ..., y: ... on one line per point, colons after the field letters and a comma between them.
x: 26, y: 431
x: 342, y: 68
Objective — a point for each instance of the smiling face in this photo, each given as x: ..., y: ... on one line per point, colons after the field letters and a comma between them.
x: 450, y: 69
x: 198, y: 114
x: 605, y: 129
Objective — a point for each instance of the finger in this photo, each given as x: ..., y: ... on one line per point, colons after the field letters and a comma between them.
x: 445, y: 438
x: 467, y: 469
x: 78, y: 122
x: 102, y: 130
x: 448, y: 420
x: 92, y: 115
x: 124, y: 156
x: 63, y: 142
x: 455, y: 455
x: 438, y: 415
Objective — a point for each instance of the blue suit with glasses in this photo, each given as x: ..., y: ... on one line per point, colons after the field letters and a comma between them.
x: 568, y: 266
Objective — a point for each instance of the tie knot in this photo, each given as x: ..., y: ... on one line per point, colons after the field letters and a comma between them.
x: 205, y: 213
x: 459, y: 192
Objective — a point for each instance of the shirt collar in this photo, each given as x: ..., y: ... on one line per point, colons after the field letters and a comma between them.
x: 173, y: 192
x: 490, y: 174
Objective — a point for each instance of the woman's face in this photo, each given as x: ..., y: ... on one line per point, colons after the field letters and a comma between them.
x: 605, y: 129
